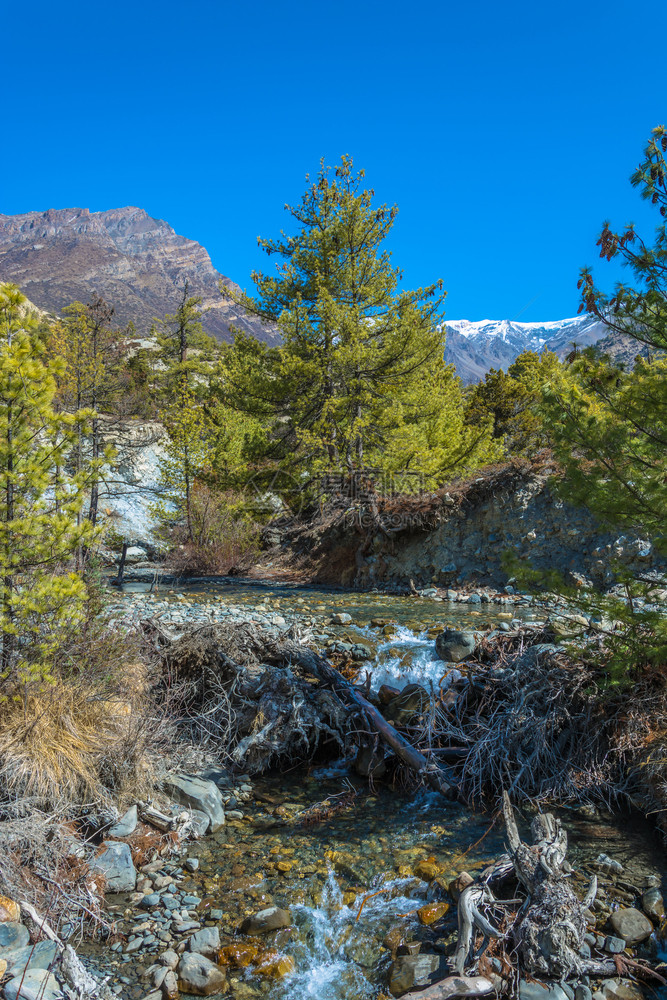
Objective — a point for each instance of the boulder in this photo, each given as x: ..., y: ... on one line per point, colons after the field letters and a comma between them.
x: 200, y: 794
x: 198, y: 975
x: 454, y: 646
x: 13, y: 935
x: 115, y: 863
x: 169, y: 958
x: 9, y: 910
x: 206, y: 942
x: 413, y: 700
x: 37, y: 984
x: 270, y: 919
x: 134, y: 554
x: 631, y: 925
x: 341, y: 618
x: 126, y: 825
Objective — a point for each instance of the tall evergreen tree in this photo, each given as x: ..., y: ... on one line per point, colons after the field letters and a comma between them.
x: 39, y: 503
x: 357, y: 351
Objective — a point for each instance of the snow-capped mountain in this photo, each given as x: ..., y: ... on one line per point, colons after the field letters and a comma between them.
x: 477, y: 346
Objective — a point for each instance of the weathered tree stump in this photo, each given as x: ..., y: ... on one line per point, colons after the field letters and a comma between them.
x: 547, y: 932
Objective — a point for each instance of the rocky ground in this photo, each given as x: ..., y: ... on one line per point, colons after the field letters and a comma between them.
x: 170, y: 926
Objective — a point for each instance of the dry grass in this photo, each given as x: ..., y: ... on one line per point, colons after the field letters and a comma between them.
x: 68, y: 743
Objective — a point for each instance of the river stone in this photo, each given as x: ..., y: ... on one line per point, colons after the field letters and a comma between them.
x: 614, y: 945
x: 454, y: 646
x: 12, y: 936
x: 31, y: 956
x: 415, y: 970
x: 413, y: 700
x: 541, y: 991
x: 37, y: 984
x: 341, y: 618
x: 126, y: 825
x: 582, y: 992
x: 169, y: 958
x: 270, y: 919
x: 653, y: 904
x: 631, y: 925
x: 206, y: 942
x: 621, y: 989
x: 200, y: 794
x: 170, y: 985
x: 9, y: 910
x: 115, y: 863
x: 198, y: 975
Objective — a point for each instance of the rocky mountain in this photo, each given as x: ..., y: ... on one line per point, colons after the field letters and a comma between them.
x: 137, y: 263
x: 475, y: 347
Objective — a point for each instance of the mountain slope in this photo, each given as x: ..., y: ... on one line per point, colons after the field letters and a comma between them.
x: 137, y: 263
x: 475, y: 347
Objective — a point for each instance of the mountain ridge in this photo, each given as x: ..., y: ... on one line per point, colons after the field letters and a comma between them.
x: 138, y: 263
x: 476, y: 346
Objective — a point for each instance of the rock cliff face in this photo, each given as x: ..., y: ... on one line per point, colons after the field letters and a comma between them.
x: 137, y: 263
x: 464, y: 542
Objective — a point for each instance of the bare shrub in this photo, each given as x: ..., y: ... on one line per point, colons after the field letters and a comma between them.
x: 223, y: 542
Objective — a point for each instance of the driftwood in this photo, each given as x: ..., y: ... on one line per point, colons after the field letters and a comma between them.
x: 317, y: 666
x: 547, y: 933
x: 81, y: 984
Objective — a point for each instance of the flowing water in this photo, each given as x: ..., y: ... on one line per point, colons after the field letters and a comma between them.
x: 355, y: 879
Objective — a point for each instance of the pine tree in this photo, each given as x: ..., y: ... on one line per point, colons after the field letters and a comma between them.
x: 90, y: 376
x: 39, y: 503
x: 346, y: 387
x: 609, y: 426
x: 187, y: 457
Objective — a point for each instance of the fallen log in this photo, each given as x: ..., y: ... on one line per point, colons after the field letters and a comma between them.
x: 432, y: 772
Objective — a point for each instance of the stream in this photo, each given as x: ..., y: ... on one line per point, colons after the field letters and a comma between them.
x: 355, y: 880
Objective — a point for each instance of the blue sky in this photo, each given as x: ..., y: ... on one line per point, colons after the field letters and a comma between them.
x: 504, y: 132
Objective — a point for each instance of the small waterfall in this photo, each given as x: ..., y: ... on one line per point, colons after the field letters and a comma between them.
x: 337, y: 955
x: 409, y: 658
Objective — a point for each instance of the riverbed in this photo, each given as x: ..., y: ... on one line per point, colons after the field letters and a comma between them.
x: 352, y: 862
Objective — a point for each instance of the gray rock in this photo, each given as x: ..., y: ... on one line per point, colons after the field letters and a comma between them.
x: 614, y: 945
x: 115, y: 863
x: 408, y: 971
x: 206, y: 942
x: 12, y: 936
x: 582, y: 992
x: 631, y: 925
x: 198, y: 975
x: 152, y: 899
x: 270, y: 919
x: 541, y: 991
x: 341, y: 618
x: 30, y: 956
x: 191, y: 864
x: 200, y: 794
x: 134, y: 554
x: 37, y: 984
x: 454, y: 646
x: 126, y: 825
x: 170, y: 984
x: 653, y: 904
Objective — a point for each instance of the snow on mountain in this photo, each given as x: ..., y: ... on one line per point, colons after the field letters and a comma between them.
x: 476, y: 346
